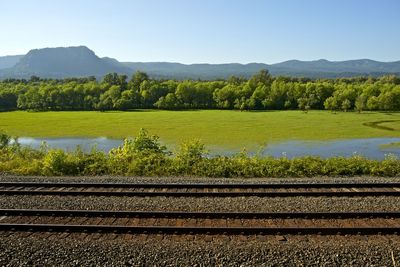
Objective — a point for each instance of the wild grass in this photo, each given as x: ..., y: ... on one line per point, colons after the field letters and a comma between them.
x: 216, y: 128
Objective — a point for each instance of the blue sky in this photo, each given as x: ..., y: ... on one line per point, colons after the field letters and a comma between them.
x: 211, y: 31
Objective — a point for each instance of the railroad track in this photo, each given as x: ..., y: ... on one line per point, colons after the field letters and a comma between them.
x: 200, y: 189
x: 225, y: 223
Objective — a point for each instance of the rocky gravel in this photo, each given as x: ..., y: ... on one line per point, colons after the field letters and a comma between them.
x: 111, y: 251
x: 210, y: 204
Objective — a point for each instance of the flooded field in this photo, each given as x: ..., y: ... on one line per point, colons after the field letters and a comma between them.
x: 374, y: 148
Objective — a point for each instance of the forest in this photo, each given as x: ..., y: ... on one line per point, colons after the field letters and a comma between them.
x: 260, y: 92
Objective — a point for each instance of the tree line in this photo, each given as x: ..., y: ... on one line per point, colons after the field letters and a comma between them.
x: 260, y: 92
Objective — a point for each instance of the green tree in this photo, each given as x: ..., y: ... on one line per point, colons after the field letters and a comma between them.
x: 168, y: 102
x: 262, y: 77
x: 346, y: 105
x: 226, y: 96
x: 137, y: 78
x: 331, y: 103
x: 129, y: 100
x: 360, y: 103
x: 109, y: 99
x: 373, y: 103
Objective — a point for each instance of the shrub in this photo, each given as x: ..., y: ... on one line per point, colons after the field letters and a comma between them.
x: 149, y: 164
x: 390, y: 166
x: 95, y: 163
x: 59, y: 162
x: 4, y: 140
x: 189, y: 154
x: 134, y: 152
x: 145, y: 142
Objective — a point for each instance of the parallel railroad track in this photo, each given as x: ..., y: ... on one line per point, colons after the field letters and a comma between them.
x: 225, y: 223
x: 200, y: 189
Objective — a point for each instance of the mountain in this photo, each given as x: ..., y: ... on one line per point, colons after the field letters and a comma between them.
x: 9, y: 61
x: 80, y: 61
x: 313, y: 69
x: 196, y: 71
x: 63, y: 62
x: 350, y: 66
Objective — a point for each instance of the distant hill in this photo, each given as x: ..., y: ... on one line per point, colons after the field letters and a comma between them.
x: 80, y: 61
x: 365, y: 66
x: 296, y: 68
x: 9, y: 61
x: 63, y: 62
x: 196, y: 71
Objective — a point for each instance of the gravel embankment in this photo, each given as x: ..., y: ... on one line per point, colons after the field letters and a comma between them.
x: 295, y: 251
x: 244, y: 204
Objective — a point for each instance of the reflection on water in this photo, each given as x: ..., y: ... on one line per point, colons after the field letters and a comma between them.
x: 370, y: 147
x: 69, y: 144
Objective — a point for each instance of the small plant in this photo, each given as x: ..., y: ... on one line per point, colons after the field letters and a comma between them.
x: 191, y: 151
x: 146, y: 142
x: 122, y: 158
x: 189, y: 155
x: 5, y: 139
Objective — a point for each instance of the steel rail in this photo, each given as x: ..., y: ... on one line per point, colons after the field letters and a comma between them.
x: 203, y: 193
x: 121, y: 189
x: 179, y: 214
x: 199, y: 185
x: 198, y: 230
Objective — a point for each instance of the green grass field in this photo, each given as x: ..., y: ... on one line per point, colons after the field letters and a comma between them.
x: 216, y: 128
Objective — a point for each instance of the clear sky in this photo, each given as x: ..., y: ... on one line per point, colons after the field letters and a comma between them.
x: 212, y: 31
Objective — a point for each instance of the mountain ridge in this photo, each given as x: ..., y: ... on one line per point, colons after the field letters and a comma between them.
x: 9, y: 61
x: 80, y: 61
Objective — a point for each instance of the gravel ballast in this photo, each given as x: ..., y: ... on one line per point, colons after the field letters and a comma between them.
x: 210, y: 204
x: 295, y: 251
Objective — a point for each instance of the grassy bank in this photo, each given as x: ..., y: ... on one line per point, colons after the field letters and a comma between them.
x: 230, y: 129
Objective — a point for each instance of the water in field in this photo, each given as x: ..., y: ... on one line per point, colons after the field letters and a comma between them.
x: 374, y: 148
x: 70, y: 144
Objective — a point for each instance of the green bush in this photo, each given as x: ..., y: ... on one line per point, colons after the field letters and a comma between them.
x: 188, y: 156
x: 133, y: 153
x: 4, y: 140
x: 95, y: 163
x: 390, y: 166
x: 55, y: 163
x: 149, y: 164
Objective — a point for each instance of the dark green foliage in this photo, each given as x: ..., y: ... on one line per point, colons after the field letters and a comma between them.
x: 260, y: 92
